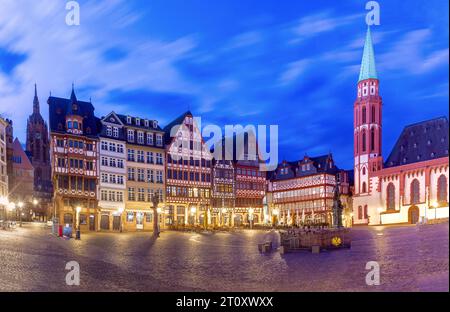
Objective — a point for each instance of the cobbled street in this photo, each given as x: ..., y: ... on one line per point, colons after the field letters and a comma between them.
x: 411, y: 258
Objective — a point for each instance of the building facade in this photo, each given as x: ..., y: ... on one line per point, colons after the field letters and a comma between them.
x: 22, y: 188
x: 412, y: 184
x: 145, y: 165
x: 112, y: 176
x: 188, y: 173
x: 301, y: 192
x: 38, y: 150
x: 74, y: 147
x: 223, y: 191
x: 3, y: 165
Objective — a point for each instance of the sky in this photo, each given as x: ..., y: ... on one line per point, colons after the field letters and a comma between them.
x: 294, y: 64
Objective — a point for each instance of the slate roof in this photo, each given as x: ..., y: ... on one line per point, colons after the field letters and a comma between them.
x: 176, y: 122
x: 421, y: 141
x: 319, y: 164
x: 142, y: 126
x: 60, y: 107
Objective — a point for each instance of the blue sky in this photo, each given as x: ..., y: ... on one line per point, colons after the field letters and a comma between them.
x: 290, y: 63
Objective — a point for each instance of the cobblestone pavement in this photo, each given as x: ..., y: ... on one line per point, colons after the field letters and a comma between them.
x: 411, y: 258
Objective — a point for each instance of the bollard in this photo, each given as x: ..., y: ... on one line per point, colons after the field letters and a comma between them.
x: 78, y: 234
x: 60, y: 231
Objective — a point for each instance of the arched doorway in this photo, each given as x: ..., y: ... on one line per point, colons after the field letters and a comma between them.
x: 413, y: 215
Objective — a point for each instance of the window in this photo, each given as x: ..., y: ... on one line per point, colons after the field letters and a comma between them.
x: 128, y: 120
x: 131, y: 155
x: 365, y: 212
x: 140, y: 156
x: 364, y: 141
x: 159, y: 176
x: 130, y: 135
x: 150, y: 175
x: 119, y: 148
x: 150, y: 157
x: 364, y: 187
x: 364, y: 113
x: 415, y: 192
x: 112, y: 147
x: 131, y: 173
x: 120, y: 179
x: 140, y: 137
x: 130, y: 216
x: 372, y: 139
x: 442, y: 189
x: 131, y: 195
x: 373, y: 114
x: 141, y: 194
x: 119, y: 163
x: 109, y: 131
x: 138, y: 122
x: 159, y: 159
x: 115, y: 132
x: 390, y: 197
x: 75, y: 124
x: 104, y: 146
x: 149, y: 138
x: 141, y: 175
x: 159, y: 139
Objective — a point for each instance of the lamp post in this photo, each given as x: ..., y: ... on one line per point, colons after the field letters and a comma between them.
x: 156, y: 212
x: 434, y: 204
x: 77, y: 223
x: 250, y: 217
x: 20, y: 205
x: 379, y: 209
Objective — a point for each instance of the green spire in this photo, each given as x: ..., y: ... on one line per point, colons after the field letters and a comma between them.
x: 368, y: 69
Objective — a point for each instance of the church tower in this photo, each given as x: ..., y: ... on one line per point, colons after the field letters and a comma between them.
x: 367, y: 121
x: 38, y: 150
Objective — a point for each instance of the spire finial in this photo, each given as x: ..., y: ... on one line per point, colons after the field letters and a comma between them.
x: 35, y: 101
x: 368, y: 69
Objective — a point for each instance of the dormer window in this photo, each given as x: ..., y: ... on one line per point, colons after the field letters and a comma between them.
x: 138, y: 122
x: 115, y: 132
x: 155, y: 124
x: 128, y: 120
x: 130, y: 136
x: 146, y: 123
x: 109, y: 131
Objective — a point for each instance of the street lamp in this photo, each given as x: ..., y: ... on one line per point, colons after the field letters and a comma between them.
x: 434, y: 204
x: 250, y: 217
x: 20, y: 204
x: 78, y: 210
x: 379, y: 209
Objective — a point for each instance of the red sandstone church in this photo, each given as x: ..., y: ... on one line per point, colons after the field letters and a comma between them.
x: 412, y: 184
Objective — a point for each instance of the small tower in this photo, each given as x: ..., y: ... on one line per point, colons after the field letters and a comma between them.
x: 367, y: 121
x: 74, y: 120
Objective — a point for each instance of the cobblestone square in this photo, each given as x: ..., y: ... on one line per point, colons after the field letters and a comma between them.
x: 411, y: 258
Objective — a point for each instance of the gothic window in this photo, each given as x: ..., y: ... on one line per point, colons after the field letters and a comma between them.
x: 364, y: 115
x: 372, y: 139
x: 364, y: 141
x: 75, y: 124
x: 390, y: 197
x: 415, y: 192
x: 364, y: 187
x: 442, y: 189
x: 364, y: 170
x: 373, y: 114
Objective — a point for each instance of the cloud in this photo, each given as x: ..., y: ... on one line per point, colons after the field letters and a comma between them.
x: 409, y: 54
x: 57, y: 54
x: 313, y: 25
x: 293, y: 71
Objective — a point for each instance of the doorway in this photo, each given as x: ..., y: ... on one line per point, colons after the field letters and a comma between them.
x: 413, y: 215
x: 104, y: 222
x: 116, y: 223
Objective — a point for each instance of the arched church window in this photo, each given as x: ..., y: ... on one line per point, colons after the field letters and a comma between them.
x: 364, y: 187
x: 364, y: 141
x: 364, y: 170
x: 75, y: 124
x: 373, y: 114
x: 372, y: 139
x: 442, y: 189
x: 364, y: 115
x: 390, y: 197
x: 415, y: 192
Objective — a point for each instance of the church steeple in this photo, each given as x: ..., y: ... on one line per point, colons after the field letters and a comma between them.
x: 35, y: 101
x: 368, y: 69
